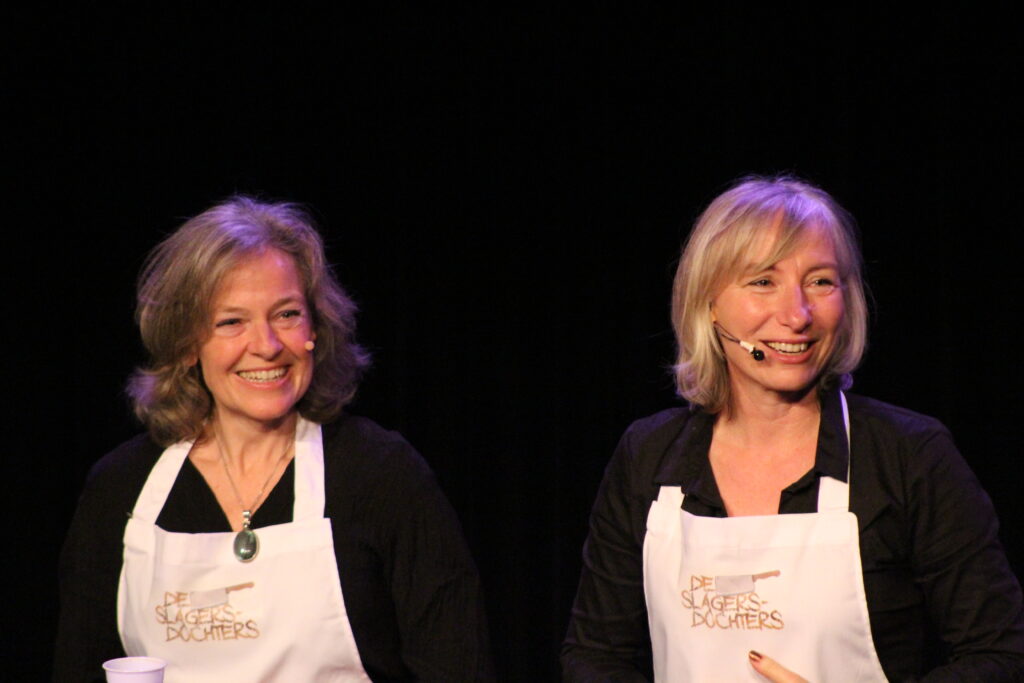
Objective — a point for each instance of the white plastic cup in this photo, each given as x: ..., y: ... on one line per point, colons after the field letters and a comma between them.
x: 135, y: 670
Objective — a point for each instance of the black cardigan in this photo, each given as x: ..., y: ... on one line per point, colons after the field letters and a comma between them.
x: 411, y: 589
x: 942, y: 600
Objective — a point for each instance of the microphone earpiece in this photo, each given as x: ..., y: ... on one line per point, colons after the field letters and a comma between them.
x: 755, y: 353
x: 309, y: 345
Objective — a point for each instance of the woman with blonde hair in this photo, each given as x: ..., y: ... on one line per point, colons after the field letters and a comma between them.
x: 257, y: 531
x: 777, y: 528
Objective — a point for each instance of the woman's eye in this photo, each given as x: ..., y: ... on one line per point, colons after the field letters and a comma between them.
x: 823, y: 284
x: 228, y: 327
x: 290, y: 317
x: 761, y: 282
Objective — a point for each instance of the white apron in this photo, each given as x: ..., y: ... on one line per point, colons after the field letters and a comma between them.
x: 789, y: 586
x: 281, y: 617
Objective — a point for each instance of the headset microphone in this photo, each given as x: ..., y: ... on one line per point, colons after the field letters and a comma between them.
x: 755, y: 353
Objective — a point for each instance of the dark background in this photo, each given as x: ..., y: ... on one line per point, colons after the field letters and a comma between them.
x: 504, y: 193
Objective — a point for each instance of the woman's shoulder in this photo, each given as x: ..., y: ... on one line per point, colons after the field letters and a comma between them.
x: 655, y: 443
x: 898, y: 447
x: 887, y: 419
x: 654, y: 434
x: 109, y: 495
x: 368, y: 454
x: 376, y: 485
x: 670, y: 419
x: 361, y: 437
x: 126, y: 467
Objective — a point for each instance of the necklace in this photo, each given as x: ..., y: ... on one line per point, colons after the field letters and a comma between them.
x: 247, y: 544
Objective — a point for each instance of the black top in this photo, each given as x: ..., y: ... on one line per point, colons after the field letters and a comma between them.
x: 942, y: 600
x: 411, y: 589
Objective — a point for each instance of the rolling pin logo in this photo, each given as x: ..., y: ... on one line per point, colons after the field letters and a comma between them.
x: 730, y: 602
x: 200, y: 616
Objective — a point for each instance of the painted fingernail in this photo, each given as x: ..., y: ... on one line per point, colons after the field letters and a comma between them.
x: 754, y: 655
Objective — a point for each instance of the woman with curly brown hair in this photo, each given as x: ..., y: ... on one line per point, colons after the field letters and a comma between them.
x: 257, y: 531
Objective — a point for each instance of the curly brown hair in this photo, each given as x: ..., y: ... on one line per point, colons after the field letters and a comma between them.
x: 175, y: 290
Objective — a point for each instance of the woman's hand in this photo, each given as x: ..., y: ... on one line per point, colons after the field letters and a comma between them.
x: 772, y: 670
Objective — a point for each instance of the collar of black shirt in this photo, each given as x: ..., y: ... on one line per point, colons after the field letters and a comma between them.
x: 687, y: 463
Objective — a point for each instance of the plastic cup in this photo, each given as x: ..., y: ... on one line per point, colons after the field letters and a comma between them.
x: 135, y: 670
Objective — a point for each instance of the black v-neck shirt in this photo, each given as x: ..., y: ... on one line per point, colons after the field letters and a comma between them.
x: 192, y: 507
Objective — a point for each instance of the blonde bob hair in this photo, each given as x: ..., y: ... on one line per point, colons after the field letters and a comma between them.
x: 720, y: 247
x: 175, y: 292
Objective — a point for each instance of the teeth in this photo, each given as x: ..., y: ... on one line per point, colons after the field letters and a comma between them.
x: 788, y: 348
x: 262, y: 375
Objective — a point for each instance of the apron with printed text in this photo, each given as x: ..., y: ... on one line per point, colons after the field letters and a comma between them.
x: 281, y: 617
x: 788, y: 586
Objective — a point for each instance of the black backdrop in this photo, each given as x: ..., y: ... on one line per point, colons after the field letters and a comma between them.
x: 504, y: 193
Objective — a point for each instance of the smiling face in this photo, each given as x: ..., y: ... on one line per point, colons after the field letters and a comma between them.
x: 792, y: 310
x: 254, y: 360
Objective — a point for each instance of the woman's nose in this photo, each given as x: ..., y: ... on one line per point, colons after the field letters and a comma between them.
x: 265, y: 342
x: 795, y: 309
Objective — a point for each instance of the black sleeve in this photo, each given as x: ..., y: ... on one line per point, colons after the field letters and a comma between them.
x: 436, y: 590
x: 608, y: 638
x: 972, y: 596
x: 411, y: 588
x: 90, y: 567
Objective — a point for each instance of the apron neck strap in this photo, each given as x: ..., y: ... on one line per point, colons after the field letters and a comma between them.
x: 160, y: 481
x: 834, y: 495
x: 309, y: 471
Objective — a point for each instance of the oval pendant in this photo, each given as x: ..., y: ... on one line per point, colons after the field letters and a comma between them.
x: 246, y: 545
